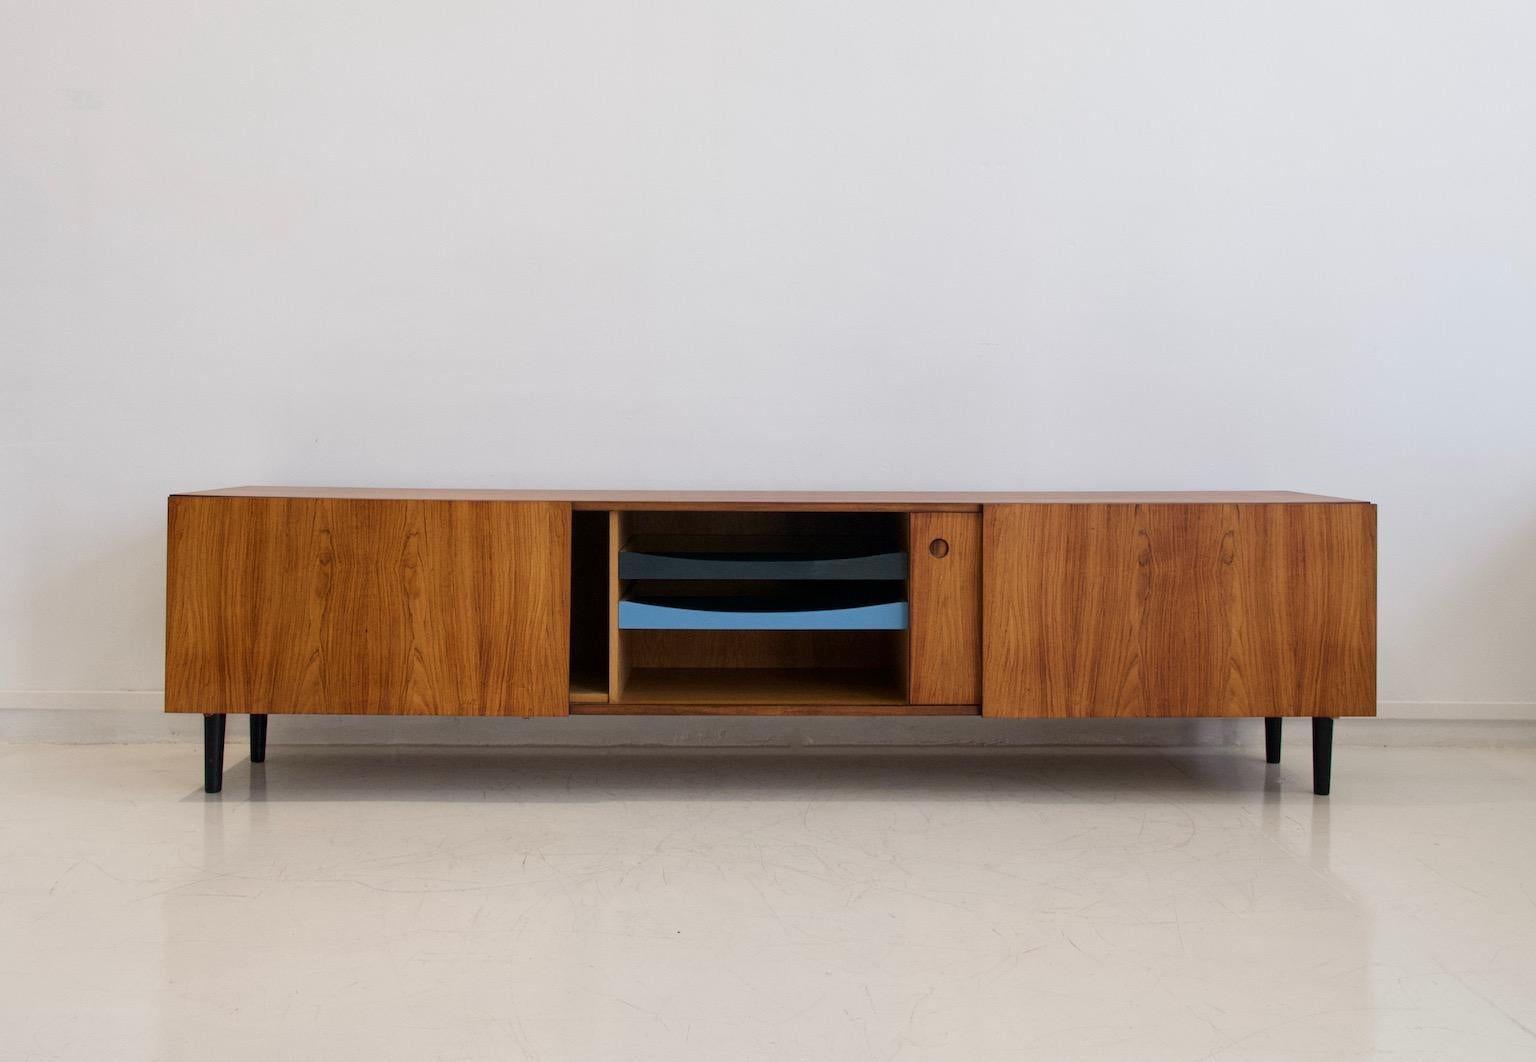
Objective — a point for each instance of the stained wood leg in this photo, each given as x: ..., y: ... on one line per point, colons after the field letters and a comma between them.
x: 1322, y: 755
x: 213, y: 753
x: 258, y: 738
x: 1272, y: 739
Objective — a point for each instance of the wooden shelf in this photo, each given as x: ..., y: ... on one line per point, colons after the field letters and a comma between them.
x: 761, y: 686
x: 807, y: 710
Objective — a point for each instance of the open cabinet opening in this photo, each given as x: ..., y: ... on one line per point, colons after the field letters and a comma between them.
x: 589, y: 608
x: 792, y: 609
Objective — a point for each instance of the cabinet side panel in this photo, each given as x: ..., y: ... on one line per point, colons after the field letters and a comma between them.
x: 367, y: 606
x: 945, y: 597
x: 1315, y: 566
x: 1179, y: 610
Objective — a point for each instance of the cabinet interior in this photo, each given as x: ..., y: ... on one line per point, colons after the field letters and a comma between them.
x: 589, y: 608
x: 706, y: 608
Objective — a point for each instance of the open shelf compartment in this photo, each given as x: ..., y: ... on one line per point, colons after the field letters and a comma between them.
x: 800, y: 668
x: 797, y: 687
x: 794, y: 611
x: 591, y: 637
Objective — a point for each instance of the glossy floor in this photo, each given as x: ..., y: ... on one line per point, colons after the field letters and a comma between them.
x: 553, y: 905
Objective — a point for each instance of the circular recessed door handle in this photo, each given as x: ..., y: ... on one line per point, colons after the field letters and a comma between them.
x: 939, y: 548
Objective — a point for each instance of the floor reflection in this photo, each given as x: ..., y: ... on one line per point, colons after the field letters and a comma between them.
x: 310, y: 773
x: 814, y: 903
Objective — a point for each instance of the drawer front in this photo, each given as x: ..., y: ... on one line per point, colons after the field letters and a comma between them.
x: 367, y: 606
x: 1179, y: 610
x: 944, y: 595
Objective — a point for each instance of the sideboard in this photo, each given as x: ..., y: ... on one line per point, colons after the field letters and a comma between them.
x: 299, y: 600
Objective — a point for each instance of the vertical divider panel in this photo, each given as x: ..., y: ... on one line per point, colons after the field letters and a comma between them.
x: 618, y: 662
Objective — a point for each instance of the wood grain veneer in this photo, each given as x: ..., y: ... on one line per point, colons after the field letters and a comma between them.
x: 779, y: 687
x: 1179, y: 610
x: 944, y: 595
x: 768, y: 501
x: 761, y: 649
x: 367, y: 606
x: 736, y: 708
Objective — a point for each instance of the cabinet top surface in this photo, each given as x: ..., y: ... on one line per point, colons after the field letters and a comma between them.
x: 664, y: 499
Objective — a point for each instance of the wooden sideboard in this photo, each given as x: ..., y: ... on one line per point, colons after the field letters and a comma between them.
x: 298, y: 600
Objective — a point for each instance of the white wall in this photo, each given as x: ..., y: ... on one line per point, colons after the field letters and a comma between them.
x: 597, y: 243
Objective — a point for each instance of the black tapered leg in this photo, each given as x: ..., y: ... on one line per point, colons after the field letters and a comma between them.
x: 258, y: 739
x: 1322, y: 755
x: 213, y: 753
x: 1272, y: 739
